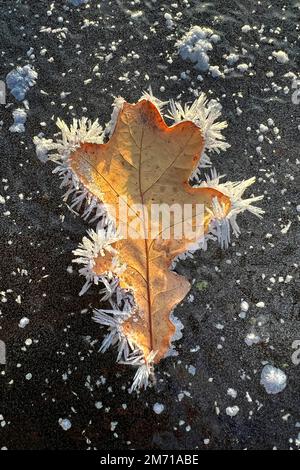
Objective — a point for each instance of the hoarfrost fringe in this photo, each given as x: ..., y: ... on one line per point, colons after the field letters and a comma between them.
x: 100, y: 242
x: 204, y: 114
x: 144, y: 373
x: 222, y: 224
x: 80, y: 131
x: 97, y: 243
x: 148, y: 95
x: 117, y: 105
x: 128, y: 352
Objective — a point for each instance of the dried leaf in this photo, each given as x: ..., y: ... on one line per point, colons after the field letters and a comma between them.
x: 147, y: 162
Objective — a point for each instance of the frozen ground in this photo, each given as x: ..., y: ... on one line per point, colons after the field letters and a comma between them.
x: 57, y: 391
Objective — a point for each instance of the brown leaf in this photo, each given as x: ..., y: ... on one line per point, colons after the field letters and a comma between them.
x: 147, y: 162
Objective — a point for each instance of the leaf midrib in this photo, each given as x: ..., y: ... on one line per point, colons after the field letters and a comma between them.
x: 146, y: 242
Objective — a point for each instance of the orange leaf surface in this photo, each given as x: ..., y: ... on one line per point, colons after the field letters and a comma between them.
x: 147, y: 162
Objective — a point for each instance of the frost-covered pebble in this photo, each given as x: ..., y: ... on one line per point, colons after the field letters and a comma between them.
x: 232, y: 58
x: 242, y: 67
x: 169, y: 20
x: 20, y: 117
x: 232, y: 392
x: 215, y: 71
x: 252, y: 338
x: 280, y: 56
x: 23, y: 322
x: 244, y: 306
x: 263, y: 129
x: 246, y: 28
x: 113, y: 425
x: 273, y: 379
x: 158, y: 408
x: 65, y: 423
x: 232, y: 410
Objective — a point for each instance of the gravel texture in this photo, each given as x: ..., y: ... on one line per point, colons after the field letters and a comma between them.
x: 58, y: 392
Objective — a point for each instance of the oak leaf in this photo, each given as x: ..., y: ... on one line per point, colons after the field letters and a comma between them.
x: 146, y: 163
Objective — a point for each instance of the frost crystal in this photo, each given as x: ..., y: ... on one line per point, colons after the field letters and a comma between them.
x: 97, y: 243
x: 20, y: 80
x: 80, y: 131
x: 148, y: 95
x: 23, y: 322
x: 273, y: 379
x: 205, y: 114
x: 20, y: 117
x: 65, y: 423
x: 196, y: 45
x: 222, y: 225
x: 158, y: 408
x: 232, y: 410
x: 280, y: 56
x: 252, y: 338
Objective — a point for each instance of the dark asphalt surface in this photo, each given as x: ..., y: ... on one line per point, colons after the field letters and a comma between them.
x: 38, y: 233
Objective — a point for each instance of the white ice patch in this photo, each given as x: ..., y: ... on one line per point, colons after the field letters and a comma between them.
x: 244, y: 306
x: 20, y: 117
x: 215, y: 71
x: 232, y: 58
x: 280, y: 56
x: 169, y: 21
x: 231, y: 392
x: 242, y: 68
x: 20, y: 80
x: 42, y: 147
x: 196, y: 46
x: 273, y: 379
x: 65, y: 423
x: 23, y: 322
x: 158, y: 408
x: 232, y: 410
x: 252, y: 338
x: 246, y: 28
x: 191, y: 369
